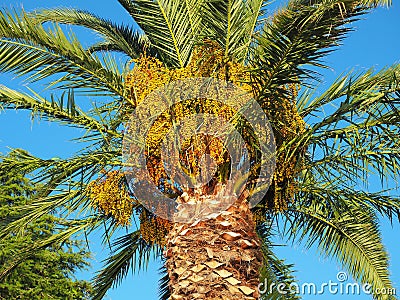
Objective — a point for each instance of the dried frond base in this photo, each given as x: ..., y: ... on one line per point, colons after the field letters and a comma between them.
x: 218, y: 258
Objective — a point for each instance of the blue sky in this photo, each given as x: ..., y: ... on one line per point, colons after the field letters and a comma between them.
x: 374, y: 43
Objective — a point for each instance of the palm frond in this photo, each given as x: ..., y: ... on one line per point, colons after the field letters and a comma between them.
x: 171, y: 26
x: 274, y: 271
x: 105, y: 46
x: 36, y: 210
x: 70, y: 229
x: 366, y: 88
x: 299, y: 36
x: 336, y: 197
x: 53, y: 110
x: 232, y: 24
x: 122, y: 38
x: 130, y: 252
x: 62, y: 182
x: 163, y: 284
x: 360, y: 136
x: 57, y: 171
x: 375, y: 3
x: 43, y: 53
x: 350, y: 234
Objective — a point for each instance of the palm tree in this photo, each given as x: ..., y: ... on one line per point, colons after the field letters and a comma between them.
x: 320, y: 159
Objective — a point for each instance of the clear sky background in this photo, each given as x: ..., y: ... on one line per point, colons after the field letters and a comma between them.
x: 374, y: 43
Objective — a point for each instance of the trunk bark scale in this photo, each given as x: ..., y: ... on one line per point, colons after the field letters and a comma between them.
x: 216, y: 258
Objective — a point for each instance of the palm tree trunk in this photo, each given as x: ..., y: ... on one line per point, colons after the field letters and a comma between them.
x: 216, y: 258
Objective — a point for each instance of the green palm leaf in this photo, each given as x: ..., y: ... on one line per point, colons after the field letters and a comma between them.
x: 130, y: 252
x: 360, y: 136
x: 120, y: 38
x: 52, y: 110
x: 62, y: 181
x: 171, y: 26
x: 232, y: 24
x: 350, y: 234
x: 71, y: 228
x: 163, y: 284
x: 44, y: 53
x: 300, y: 35
x: 337, y: 197
x: 274, y: 269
